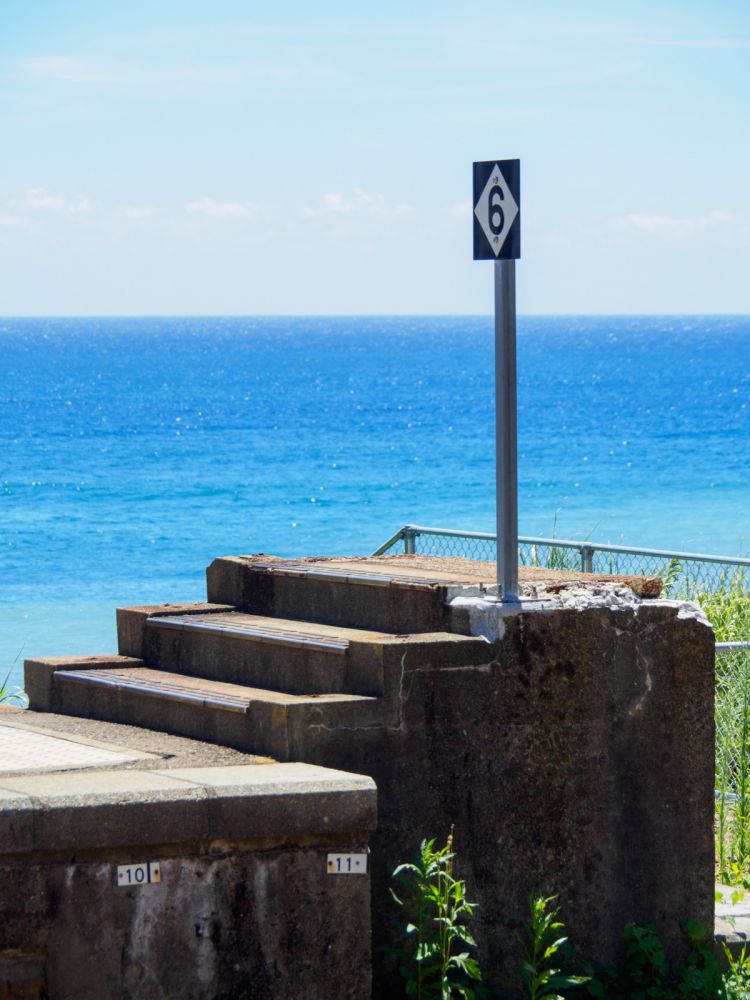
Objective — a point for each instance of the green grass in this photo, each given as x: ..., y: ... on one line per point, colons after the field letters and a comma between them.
x: 12, y: 695
x: 728, y: 609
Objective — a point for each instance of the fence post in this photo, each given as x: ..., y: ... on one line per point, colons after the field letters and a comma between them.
x: 410, y: 536
x: 587, y: 559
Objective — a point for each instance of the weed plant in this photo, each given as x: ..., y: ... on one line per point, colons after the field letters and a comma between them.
x: 434, y: 956
x: 733, y: 775
x: 645, y: 974
x: 737, y: 977
x: 433, y: 910
x: 12, y: 695
x: 727, y: 606
x: 728, y: 609
x: 542, y: 974
x: 553, y: 556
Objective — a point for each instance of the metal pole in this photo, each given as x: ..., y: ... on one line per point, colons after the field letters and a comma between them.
x: 506, y: 463
x: 587, y: 559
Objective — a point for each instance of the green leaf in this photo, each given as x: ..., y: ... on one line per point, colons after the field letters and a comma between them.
x: 553, y: 948
x: 694, y: 930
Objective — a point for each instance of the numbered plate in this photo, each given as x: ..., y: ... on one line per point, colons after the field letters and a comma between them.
x: 497, y: 210
x: 139, y: 874
x: 347, y: 864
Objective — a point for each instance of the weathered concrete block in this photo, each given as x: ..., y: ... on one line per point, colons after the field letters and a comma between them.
x: 575, y: 758
x: 245, y: 906
x: 330, y: 591
x: 38, y: 675
x: 131, y: 622
x: 230, y: 920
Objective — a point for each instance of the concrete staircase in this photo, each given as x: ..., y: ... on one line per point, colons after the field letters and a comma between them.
x: 565, y: 738
x: 282, y: 650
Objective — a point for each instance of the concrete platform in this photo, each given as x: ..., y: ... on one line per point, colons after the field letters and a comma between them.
x: 52, y: 781
x: 135, y: 863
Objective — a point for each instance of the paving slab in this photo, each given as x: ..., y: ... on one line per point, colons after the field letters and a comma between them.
x: 146, y: 748
x: 732, y: 909
x: 23, y: 749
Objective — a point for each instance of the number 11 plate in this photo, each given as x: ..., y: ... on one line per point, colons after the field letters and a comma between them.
x: 347, y: 864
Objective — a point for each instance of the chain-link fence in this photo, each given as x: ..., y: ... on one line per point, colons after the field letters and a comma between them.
x: 721, y: 585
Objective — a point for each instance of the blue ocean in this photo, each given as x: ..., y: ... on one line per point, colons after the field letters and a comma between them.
x: 133, y: 451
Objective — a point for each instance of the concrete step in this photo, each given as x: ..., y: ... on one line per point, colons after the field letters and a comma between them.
x: 365, y: 593
x: 269, y: 723
x: 292, y: 656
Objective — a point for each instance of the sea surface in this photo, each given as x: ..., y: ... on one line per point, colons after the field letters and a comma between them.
x: 133, y: 451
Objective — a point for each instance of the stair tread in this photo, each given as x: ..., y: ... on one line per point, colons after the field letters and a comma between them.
x: 352, y: 571
x: 267, y: 628
x: 181, y: 686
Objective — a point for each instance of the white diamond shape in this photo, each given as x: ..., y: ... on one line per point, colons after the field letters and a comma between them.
x: 488, y: 214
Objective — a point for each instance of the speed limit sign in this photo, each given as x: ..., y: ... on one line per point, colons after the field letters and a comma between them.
x: 497, y: 213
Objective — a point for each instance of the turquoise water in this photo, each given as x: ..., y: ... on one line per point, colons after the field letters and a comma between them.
x: 132, y: 451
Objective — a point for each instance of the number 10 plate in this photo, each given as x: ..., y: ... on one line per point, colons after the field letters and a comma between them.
x: 139, y: 874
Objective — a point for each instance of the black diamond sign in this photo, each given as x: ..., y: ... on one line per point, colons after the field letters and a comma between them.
x: 497, y: 211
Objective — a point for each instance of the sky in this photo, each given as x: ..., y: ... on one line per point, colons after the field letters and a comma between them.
x: 241, y: 158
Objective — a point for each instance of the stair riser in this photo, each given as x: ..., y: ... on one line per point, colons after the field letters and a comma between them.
x: 263, y: 730
x: 280, y: 667
x: 351, y: 603
x: 131, y: 622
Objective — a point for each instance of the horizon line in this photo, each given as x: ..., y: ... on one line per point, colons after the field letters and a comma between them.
x: 355, y: 315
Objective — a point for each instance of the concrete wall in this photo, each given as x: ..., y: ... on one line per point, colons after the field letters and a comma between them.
x: 229, y: 920
x: 256, y: 917
x: 576, y: 759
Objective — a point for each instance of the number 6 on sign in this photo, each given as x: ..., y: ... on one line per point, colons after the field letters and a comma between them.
x: 497, y: 216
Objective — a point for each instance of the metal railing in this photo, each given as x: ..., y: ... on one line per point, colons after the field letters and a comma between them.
x: 720, y: 584
x: 690, y: 569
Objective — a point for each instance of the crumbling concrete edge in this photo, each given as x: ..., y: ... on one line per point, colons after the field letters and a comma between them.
x: 487, y: 617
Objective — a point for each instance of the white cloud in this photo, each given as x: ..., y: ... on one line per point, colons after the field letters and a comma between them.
x: 358, y: 204
x: 221, y: 209
x: 39, y: 199
x: 676, y: 226
x: 14, y: 222
x: 57, y: 68
x: 135, y: 212
x: 67, y: 70
x: 460, y: 209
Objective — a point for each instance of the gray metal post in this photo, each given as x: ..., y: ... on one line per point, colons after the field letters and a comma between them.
x: 409, y: 542
x: 587, y: 559
x: 505, y: 429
